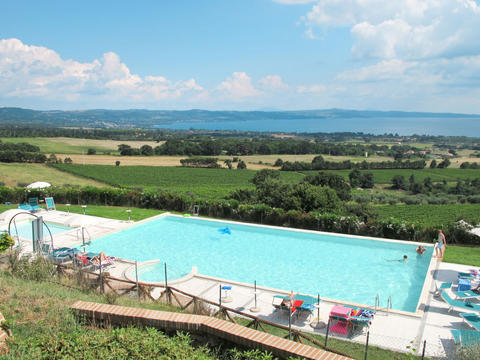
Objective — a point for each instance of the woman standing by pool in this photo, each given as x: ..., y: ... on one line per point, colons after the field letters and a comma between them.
x: 441, y: 244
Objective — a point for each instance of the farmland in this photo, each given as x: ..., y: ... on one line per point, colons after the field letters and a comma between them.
x: 75, y: 146
x: 203, y: 183
x: 14, y: 174
x: 431, y: 215
x: 385, y: 176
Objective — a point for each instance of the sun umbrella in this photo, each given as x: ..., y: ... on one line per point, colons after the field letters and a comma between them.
x: 38, y: 185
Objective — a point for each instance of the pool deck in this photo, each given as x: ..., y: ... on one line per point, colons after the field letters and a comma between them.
x: 394, y: 330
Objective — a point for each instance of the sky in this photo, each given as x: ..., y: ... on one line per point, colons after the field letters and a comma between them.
x: 411, y: 55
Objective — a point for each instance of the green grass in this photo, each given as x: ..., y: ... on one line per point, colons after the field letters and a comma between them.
x: 203, y: 183
x: 14, y: 173
x: 49, y: 146
x: 465, y: 255
x: 385, y: 176
x: 112, y: 212
x: 432, y: 215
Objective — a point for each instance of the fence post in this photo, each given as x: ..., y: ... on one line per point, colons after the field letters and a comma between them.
x: 136, y: 279
x: 289, y: 323
x: 366, y: 345
x: 424, y: 346
x: 167, y: 292
x: 74, y: 260
x: 101, y: 276
x: 328, y: 330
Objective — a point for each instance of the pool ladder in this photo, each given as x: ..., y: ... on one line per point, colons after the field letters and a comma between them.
x: 377, y: 303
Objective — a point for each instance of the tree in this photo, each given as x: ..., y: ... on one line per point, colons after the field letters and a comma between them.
x: 6, y: 241
x: 228, y: 163
x: 91, y: 151
x: 399, y: 182
x: 278, y: 162
x: 366, y: 181
x: 117, y: 163
x: 146, y: 150
x: 444, y: 164
x: 68, y: 160
x: 241, y: 165
x: 433, y: 164
x: 262, y: 175
x: 336, y: 182
x: 354, y: 177
x: 52, y: 159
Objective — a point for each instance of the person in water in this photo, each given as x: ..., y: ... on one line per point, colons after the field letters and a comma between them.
x: 440, y: 245
x: 405, y: 257
x: 420, y: 250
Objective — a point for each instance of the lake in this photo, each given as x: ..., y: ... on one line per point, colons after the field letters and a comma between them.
x: 449, y: 126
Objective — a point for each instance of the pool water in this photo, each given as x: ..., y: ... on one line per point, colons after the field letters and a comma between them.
x: 25, y: 229
x: 337, y: 267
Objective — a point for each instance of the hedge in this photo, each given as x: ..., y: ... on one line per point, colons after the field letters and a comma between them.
x: 233, y: 209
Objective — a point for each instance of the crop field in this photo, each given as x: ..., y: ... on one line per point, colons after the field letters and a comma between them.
x: 385, y: 176
x: 63, y: 145
x: 12, y: 174
x: 432, y: 215
x: 203, y: 183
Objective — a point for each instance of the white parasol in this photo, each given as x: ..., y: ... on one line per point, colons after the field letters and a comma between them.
x: 38, y: 185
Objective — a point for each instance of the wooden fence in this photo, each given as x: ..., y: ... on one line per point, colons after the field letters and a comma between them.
x: 105, y: 283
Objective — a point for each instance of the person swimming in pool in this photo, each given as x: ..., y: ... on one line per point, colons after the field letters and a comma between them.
x: 420, y: 249
x: 405, y: 257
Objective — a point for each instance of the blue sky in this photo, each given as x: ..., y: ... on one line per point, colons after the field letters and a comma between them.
x: 421, y: 55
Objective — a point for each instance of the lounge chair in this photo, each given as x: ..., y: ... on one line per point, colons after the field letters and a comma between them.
x: 439, y: 289
x: 466, y: 338
x: 50, y: 204
x: 33, y: 202
x: 459, y: 305
x: 472, y: 319
x: 25, y: 207
x: 360, y: 318
x: 466, y: 295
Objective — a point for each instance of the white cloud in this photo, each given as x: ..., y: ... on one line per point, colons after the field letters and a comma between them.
x: 35, y: 71
x: 407, y: 29
x: 305, y: 89
x: 238, y: 87
x: 273, y: 83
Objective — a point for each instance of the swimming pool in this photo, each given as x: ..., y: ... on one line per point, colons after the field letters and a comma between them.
x: 24, y: 229
x: 338, y: 267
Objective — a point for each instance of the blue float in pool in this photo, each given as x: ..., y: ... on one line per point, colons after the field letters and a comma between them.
x: 225, y: 231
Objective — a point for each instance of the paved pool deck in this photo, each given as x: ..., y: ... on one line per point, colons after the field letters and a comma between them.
x: 392, y: 330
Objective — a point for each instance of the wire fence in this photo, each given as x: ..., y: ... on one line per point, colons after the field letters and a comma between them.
x: 355, y: 343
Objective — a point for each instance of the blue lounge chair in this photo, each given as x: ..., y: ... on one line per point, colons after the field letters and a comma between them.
x: 33, y: 202
x: 466, y: 338
x: 459, y: 305
x: 443, y: 286
x: 50, y: 204
x: 465, y: 295
x: 25, y: 207
x: 472, y: 319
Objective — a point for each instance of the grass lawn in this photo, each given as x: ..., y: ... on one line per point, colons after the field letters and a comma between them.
x: 112, y: 212
x: 465, y: 255
x: 13, y: 173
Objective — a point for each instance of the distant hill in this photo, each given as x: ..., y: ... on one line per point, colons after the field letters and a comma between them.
x: 138, y: 118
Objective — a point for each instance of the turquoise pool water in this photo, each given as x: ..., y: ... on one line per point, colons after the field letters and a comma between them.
x: 337, y: 267
x: 25, y: 229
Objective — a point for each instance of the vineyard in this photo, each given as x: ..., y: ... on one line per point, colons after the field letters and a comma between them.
x: 203, y: 183
x: 385, y: 176
x: 431, y: 215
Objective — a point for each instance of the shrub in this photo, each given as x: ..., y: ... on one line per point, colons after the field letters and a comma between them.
x: 91, y: 151
x: 30, y: 268
x: 6, y: 241
x: 468, y: 353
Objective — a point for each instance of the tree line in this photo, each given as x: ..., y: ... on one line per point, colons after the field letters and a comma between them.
x: 319, y: 163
